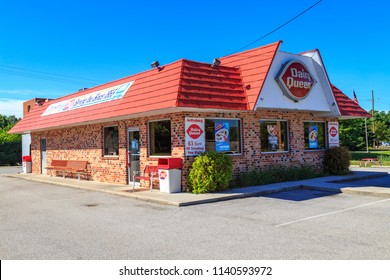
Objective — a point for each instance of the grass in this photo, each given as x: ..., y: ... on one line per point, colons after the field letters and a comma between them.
x: 382, y: 156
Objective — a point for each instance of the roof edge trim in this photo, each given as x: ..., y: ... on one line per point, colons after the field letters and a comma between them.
x: 279, y: 43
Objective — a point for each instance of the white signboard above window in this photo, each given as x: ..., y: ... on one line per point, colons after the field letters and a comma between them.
x: 93, y: 98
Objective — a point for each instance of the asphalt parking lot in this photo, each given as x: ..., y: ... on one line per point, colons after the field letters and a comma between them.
x: 42, y: 221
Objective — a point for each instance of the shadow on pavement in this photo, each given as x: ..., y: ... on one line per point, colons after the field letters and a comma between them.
x: 300, y: 194
x: 383, y: 182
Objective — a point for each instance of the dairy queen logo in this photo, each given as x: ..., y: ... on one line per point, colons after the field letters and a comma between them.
x: 333, y: 131
x: 295, y: 80
x: 163, y: 175
x: 194, y: 131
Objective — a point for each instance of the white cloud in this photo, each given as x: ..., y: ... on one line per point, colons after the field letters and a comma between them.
x: 11, y: 107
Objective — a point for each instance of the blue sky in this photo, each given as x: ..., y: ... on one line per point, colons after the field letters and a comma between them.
x: 92, y: 42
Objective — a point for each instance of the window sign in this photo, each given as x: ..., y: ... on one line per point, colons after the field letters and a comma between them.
x: 195, y: 136
x: 230, y: 138
x: 313, y: 137
x: 274, y: 136
x: 273, y: 139
x: 222, y: 143
x: 333, y: 134
x: 110, y: 136
x: 134, y: 144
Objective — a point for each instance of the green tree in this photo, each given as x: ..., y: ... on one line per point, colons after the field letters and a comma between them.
x: 353, y: 132
x: 382, y: 132
x: 10, y: 144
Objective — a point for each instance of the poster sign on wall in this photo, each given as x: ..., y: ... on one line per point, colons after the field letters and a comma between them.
x: 222, y: 143
x: 195, y: 136
x: 313, y: 137
x: 333, y: 134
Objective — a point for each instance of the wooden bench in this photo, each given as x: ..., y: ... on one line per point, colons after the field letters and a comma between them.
x: 149, y: 173
x: 76, y: 166
x: 366, y: 161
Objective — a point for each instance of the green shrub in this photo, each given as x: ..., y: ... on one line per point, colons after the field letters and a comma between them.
x: 359, y: 156
x: 10, y: 153
x: 384, y: 157
x: 275, y: 174
x: 336, y: 161
x: 210, y: 172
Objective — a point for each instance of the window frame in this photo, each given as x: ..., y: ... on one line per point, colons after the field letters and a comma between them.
x: 104, y: 141
x: 325, y: 137
x: 149, y: 138
x: 240, y: 138
x: 287, y: 132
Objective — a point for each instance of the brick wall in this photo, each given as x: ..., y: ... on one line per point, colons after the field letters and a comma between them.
x: 86, y: 143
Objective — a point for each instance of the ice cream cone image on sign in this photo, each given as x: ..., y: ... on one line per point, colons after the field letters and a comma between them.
x: 273, y: 136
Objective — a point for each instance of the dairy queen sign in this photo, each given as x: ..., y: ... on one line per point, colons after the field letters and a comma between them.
x: 333, y: 134
x: 295, y: 80
x: 195, y: 136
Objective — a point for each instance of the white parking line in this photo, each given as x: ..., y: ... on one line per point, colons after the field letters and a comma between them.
x: 332, y: 213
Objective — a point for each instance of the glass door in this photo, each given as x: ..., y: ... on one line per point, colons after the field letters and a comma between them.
x: 133, y: 163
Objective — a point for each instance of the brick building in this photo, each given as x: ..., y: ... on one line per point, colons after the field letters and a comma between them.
x: 262, y: 106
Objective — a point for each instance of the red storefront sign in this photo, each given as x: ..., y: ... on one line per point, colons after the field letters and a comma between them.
x: 295, y: 80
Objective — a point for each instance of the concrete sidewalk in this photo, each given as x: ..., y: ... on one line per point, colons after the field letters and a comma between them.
x: 330, y: 183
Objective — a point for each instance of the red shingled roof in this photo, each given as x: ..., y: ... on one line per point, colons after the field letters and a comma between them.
x: 348, y: 107
x: 254, y: 65
x: 202, y: 86
x: 183, y: 83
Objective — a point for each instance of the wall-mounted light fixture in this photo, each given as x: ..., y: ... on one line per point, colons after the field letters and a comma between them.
x: 156, y: 64
x: 216, y: 62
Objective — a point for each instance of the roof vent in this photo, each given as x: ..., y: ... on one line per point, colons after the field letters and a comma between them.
x: 82, y: 89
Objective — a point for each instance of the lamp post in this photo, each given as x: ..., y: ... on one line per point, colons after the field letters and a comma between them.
x: 365, y: 122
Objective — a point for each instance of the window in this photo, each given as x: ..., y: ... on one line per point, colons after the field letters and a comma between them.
x: 314, y: 135
x: 160, y: 138
x: 223, y: 135
x: 110, y: 136
x: 274, y: 136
